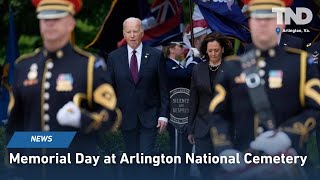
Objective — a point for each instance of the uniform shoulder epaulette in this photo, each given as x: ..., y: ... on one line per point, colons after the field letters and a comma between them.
x: 26, y: 56
x: 83, y: 52
x: 294, y: 50
x: 90, y: 67
x: 303, y: 69
x: 232, y: 58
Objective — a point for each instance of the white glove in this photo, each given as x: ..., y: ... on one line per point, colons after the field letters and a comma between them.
x: 69, y: 115
x: 194, y: 52
x: 232, y: 167
x: 271, y: 142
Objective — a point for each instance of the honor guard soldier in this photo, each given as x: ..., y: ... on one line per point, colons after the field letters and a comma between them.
x: 268, y: 99
x: 314, y: 50
x: 60, y: 87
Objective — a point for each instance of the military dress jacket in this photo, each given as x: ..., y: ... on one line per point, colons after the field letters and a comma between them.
x: 292, y: 87
x: 46, y: 81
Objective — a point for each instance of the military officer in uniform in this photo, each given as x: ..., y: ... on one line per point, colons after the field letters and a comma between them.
x: 268, y: 99
x: 314, y: 50
x: 178, y: 77
x: 178, y: 74
x: 60, y: 87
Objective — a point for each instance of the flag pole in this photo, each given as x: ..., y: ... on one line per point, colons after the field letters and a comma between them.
x: 191, y: 22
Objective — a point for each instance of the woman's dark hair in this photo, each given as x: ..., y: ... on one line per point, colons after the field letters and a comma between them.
x: 221, y: 39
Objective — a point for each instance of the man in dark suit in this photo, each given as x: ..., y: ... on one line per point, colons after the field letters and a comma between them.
x: 138, y: 75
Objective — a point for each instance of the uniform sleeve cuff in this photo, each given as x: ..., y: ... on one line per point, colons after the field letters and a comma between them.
x: 163, y: 119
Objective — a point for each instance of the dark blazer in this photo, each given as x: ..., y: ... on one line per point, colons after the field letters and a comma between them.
x: 149, y: 98
x: 201, y: 94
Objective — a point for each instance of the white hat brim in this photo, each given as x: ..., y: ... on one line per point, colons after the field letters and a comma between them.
x: 46, y: 15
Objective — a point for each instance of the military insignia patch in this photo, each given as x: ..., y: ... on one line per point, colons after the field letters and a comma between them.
x: 64, y: 82
x: 315, y: 56
x: 275, y: 79
x: 32, y: 76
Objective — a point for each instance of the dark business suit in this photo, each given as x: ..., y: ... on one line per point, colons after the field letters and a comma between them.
x: 201, y: 92
x: 142, y: 103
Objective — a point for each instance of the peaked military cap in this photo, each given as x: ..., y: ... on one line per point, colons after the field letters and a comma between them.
x: 54, y: 9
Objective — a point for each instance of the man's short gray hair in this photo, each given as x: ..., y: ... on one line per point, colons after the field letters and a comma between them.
x: 131, y: 19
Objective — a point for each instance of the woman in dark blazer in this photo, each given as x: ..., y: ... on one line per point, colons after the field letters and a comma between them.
x: 214, y: 47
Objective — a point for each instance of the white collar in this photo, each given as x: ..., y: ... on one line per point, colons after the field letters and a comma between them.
x: 175, y: 61
x: 139, y: 49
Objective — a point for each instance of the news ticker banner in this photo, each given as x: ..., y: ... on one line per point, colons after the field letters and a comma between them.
x: 41, y: 139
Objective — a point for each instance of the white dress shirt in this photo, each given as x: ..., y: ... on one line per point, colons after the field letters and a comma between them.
x: 138, y: 54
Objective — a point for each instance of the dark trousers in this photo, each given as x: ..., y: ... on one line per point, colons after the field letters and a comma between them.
x: 139, y: 140
x: 204, y: 146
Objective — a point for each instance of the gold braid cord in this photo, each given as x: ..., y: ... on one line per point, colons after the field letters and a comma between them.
x: 218, y: 98
x: 118, y: 121
x: 218, y: 139
x: 302, y: 129
x: 311, y: 92
x: 98, y: 119
x: 105, y: 96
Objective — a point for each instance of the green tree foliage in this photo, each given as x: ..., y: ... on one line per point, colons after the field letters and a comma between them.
x: 89, y: 21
